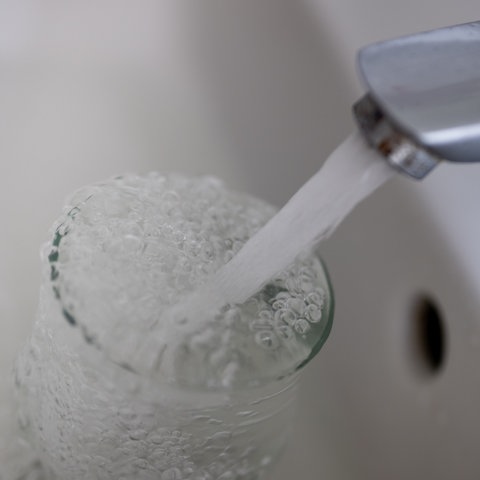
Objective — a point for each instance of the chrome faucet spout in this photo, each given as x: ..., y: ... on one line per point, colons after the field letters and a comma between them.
x: 423, y: 98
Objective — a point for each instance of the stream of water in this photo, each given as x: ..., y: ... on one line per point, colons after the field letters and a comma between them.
x: 350, y: 174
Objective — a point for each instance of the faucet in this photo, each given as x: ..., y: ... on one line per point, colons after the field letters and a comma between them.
x: 422, y: 104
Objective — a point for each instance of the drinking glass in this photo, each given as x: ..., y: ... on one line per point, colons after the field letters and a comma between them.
x: 89, y: 413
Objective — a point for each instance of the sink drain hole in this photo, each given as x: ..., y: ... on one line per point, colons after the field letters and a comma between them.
x: 429, y: 335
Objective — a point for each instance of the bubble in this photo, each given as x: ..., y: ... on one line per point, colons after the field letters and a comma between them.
x: 302, y: 326
x: 267, y: 340
x: 278, y: 304
x: 313, y: 313
x: 316, y: 297
x: 282, y: 296
x: 285, y: 316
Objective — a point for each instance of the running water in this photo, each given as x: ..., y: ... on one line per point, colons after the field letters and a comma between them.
x: 350, y: 174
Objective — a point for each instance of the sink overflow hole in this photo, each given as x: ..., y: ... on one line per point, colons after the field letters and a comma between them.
x: 429, y: 335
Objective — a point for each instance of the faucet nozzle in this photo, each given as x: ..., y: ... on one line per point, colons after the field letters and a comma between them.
x: 423, y: 100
